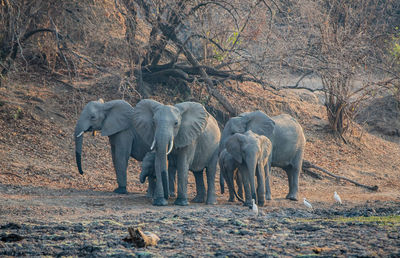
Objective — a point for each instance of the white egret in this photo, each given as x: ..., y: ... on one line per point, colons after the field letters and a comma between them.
x: 337, y: 198
x: 306, y: 203
x: 254, y: 207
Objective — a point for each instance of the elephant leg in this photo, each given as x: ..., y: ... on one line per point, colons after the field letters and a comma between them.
x: 211, y: 171
x: 231, y: 190
x: 200, y: 188
x: 267, y: 171
x: 260, y: 185
x: 171, y: 179
x: 151, y: 187
x: 293, y: 178
x: 293, y: 173
x: 120, y: 155
x: 229, y: 174
x: 231, y: 195
x: 183, y: 168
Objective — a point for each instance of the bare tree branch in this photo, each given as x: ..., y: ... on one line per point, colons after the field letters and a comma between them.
x: 210, y: 85
x: 307, y: 165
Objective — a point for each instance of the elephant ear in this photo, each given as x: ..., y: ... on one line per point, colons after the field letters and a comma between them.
x: 193, y: 122
x: 234, y: 147
x: 238, y: 124
x: 260, y: 123
x: 118, y: 117
x: 266, y: 146
x: 143, y: 119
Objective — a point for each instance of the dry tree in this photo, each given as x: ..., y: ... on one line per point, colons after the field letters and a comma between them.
x: 20, y: 22
x: 191, y: 41
x: 339, y: 42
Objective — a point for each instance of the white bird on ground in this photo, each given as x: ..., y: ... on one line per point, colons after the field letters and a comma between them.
x: 254, y: 207
x: 337, y: 198
x: 306, y: 203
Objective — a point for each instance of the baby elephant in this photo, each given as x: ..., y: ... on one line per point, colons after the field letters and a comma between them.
x: 148, y: 172
x: 229, y: 168
x: 252, y: 153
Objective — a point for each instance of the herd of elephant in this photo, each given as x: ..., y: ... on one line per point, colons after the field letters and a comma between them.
x: 169, y: 139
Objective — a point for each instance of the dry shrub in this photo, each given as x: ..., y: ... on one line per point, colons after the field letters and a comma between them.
x: 337, y: 41
x: 68, y: 33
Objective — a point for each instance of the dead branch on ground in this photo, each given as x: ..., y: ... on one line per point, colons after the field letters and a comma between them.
x: 307, y: 165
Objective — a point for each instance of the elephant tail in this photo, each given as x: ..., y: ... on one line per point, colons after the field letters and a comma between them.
x: 237, y: 196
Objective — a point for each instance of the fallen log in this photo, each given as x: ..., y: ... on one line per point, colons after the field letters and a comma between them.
x: 307, y: 165
x: 312, y: 173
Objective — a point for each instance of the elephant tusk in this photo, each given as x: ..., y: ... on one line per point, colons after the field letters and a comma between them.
x: 171, y: 145
x: 80, y: 134
x: 153, y: 144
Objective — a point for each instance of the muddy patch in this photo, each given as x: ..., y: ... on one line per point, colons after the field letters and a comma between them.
x: 72, y: 228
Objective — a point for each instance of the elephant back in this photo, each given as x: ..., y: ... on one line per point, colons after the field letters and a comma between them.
x: 260, y: 123
x: 256, y: 121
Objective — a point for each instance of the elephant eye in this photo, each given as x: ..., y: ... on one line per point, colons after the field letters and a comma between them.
x: 92, y: 117
x: 176, y: 123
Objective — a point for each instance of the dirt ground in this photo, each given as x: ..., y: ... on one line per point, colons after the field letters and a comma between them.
x: 63, y: 222
x: 47, y: 208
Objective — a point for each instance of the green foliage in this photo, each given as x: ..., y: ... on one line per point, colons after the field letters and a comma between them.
x: 394, y: 62
x: 391, y: 220
x: 231, y: 41
x: 395, y: 45
x: 18, y: 114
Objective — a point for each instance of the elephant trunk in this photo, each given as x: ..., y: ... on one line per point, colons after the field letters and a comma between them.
x: 231, y: 184
x: 79, y: 130
x: 144, y: 174
x: 162, y: 143
x: 251, y: 166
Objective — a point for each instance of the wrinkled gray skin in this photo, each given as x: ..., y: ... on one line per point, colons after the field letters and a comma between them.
x: 229, y: 169
x: 252, y: 152
x: 286, y: 136
x: 189, y: 135
x: 113, y: 119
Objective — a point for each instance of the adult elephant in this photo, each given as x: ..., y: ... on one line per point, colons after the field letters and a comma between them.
x: 113, y: 119
x: 190, y: 136
x: 286, y: 136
